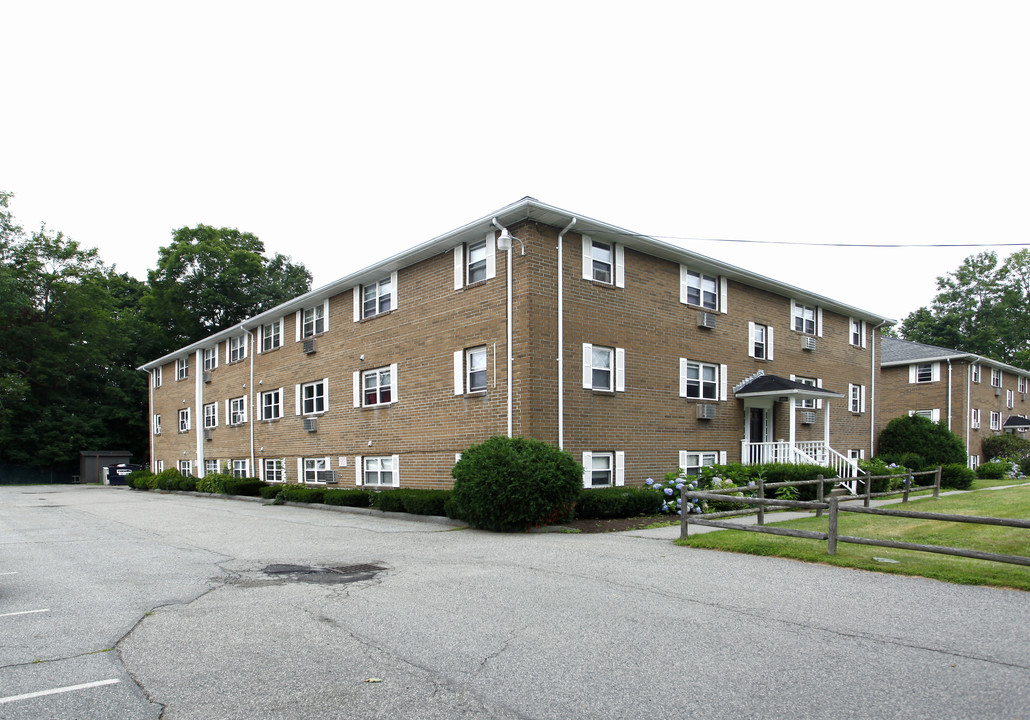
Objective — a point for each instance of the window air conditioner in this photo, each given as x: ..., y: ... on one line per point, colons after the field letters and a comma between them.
x: 329, y: 476
x: 207, y: 376
x: 705, y: 319
x: 310, y: 424
x: 808, y: 343
x: 209, y: 434
x: 807, y: 418
x: 309, y: 346
x: 997, y: 392
x: 705, y: 412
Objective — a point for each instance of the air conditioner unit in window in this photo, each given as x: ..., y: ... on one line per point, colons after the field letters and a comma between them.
x: 309, y: 346
x: 207, y: 376
x: 209, y: 434
x: 705, y: 412
x: 705, y: 319
x: 310, y: 424
x: 808, y: 343
x: 997, y: 392
x: 807, y: 418
x: 329, y: 476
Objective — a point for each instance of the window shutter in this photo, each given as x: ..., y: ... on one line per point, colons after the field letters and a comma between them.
x: 724, y: 294
x: 246, y: 416
x: 358, y: 467
x: 396, y: 470
x: 588, y: 378
x: 793, y: 313
x: 300, y: 470
x: 620, y: 369
x: 459, y: 267
x: 356, y: 295
x: 683, y: 459
x: 394, y: 288
x: 769, y: 342
x: 935, y: 414
x: 863, y: 341
x: 325, y: 315
x: 297, y: 397
x: 722, y: 457
x: 861, y: 392
x: 723, y: 382
x: 357, y: 388
x: 620, y: 468
x: 750, y: 339
x: 620, y: 265
x: 683, y: 377
x: 393, y: 383
x: 325, y: 393
x: 819, y: 402
x: 260, y: 341
x: 911, y: 374
x: 936, y: 372
x: 683, y: 284
x: 587, y: 459
x: 819, y: 321
x: 491, y: 256
x: 588, y: 260
x: 228, y: 417
x: 298, y: 323
x: 459, y: 372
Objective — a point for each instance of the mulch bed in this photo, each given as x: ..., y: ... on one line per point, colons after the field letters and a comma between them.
x: 618, y: 524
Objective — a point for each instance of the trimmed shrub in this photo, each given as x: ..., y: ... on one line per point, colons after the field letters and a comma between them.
x: 617, y: 502
x: 1005, y: 446
x: 214, y: 482
x: 426, y: 502
x: 138, y: 479
x: 389, y: 500
x: 249, y: 487
x: 992, y: 470
x: 916, y: 434
x: 1024, y: 466
x: 163, y: 479
x: 513, y: 484
x: 784, y: 472
x: 345, y: 498
x: 913, y: 461
x: 880, y: 467
x: 301, y: 493
x: 954, y: 475
x: 270, y: 491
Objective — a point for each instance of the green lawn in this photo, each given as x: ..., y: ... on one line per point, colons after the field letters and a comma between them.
x: 1010, y: 503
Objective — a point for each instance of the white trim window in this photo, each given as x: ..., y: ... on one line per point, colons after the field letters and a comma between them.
x: 806, y: 319
x: 604, y: 469
x: 236, y: 348
x: 702, y: 290
x: 995, y: 377
x: 271, y: 403
x: 856, y: 336
x: 159, y: 467
x: 475, y: 262
x: 211, y: 415
x: 933, y: 415
x: 604, y: 262
x: 184, y: 420
x: 241, y: 468
x: 854, y: 455
x: 271, y: 335
x: 470, y: 370
x: 156, y: 377
x: 313, y: 320
x: 210, y: 466
x: 691, y: 463
x: 924, y: 372
x: 377, y: 298
x: 974, y: 418
x: 974, y: 372
x: 236, y: 410
x: 604, y: 368
x: 182, y: 368
x: 378, y: 387
x: 974, y: 462
x: 210, y: 356
x: 995, y: 420
x: 856, y: 398
x: 316, y: 470
x: 275, y: 470
x: 760, y: 341
x: 313, y: 397
x: 185, y: 468
x: 702, y: 381
x: 1010, y: 399
x: 1021, y: 384
x: 157, y: 424
x: 809, y: 403
x: 379, y: 471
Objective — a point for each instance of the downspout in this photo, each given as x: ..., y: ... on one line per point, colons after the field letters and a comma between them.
x: 150, y: 382
x: 509, y: 331
x: 561, y: 335
x: 873, y: 369
x: 198, y: 414
x: 250, y: 402
x: 949, y: 393
x: 969, y: 409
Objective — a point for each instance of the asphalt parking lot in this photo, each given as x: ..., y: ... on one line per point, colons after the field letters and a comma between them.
x: 118, y: 604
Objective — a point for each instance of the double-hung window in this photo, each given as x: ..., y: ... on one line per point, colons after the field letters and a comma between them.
x: 184, y: 420
x: 186, y: 468
x: 210, y: 358
x: 702, y: 290
x: 808, y: 403
x: 272, y: 404
x: 974, y: 371
x: 240, y: 468
x: 923, y: 372
x: 470, y: 370
x: 760, y: 341
x: 806, y: 318
x: 211, y: 415
x: 692, y: 462
x: 1010, y: 399
x: 379, y: 471
x: 316, y: 470
x: 974, y: 418
x: 604, y: 469
x: 377, y: 297
x: 275, y: 470
x: 237, y: 412
x: 604, y: 262
x: 156, y: 377
x: 313, y: 321
x: 995, y: 377
x: 856, y: 398
x: 857, y: 333
x: 475, y: 262
x: 271, y: 335
x: 182, y: 368
x: 237, y: 348
x: 377, y: 387
x: 604, y: 368
x: 702, y: 381
x: 313, y: 397
x: 995, y: 420
x: 601, y: 261
x: 157, y: 424
x: 1021, y: 384
x: 210, y: 466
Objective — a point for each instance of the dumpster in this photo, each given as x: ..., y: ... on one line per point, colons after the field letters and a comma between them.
x: 116, y: 473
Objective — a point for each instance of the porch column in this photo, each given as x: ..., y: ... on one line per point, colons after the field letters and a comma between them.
x: 826, y: 423
x: 792, y: 423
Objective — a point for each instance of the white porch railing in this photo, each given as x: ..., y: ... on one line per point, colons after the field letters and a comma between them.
x: 811, y: 452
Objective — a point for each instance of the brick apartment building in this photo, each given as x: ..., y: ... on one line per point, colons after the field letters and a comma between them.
x: 977, y: 396
x: 636, y: 356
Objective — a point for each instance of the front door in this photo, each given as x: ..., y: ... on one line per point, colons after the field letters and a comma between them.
x: 756, y: 434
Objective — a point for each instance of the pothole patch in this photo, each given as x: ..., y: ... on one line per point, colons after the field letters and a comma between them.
x: 334, y: 575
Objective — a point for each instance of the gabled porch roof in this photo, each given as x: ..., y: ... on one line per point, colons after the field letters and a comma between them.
x: 762, y: 385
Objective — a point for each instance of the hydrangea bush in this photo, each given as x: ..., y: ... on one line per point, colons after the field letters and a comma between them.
x: 671, y: 491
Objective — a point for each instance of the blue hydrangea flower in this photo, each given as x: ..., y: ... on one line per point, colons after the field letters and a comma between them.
x: 668, y: 491
x: 649, y: 481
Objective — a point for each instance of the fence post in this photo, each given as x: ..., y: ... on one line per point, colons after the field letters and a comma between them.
x: 937, y: 482
x: 831, y: 535
x: 908, y: 486
x: 684, y: 525
x: 868, y: 489
x: 819, y: 496
x: 761, y: 495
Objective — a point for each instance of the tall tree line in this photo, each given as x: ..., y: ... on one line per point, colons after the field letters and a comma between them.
x: 73, y: 330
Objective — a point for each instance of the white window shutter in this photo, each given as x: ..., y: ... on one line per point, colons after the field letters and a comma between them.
x: 723, y: 382
x: 298, y: 323
x: 911, y: 374
x: 260, y: 341
x: 228, y: 417
x: 819, y: 402
x: 297, y: 397
x: 459, y: 267
x: 620, y: 369
x: 588, y: 376
x: 587, y: 461
x: 588, y: 259
x: 750, y: 339
x: 863, y: 341
x: 819, y: 321
x: 396, y: 470
x: 357, y: 388
x: 325, y: 315
x: 769, y: 342
x: 459, y: 372
x: 862, y: 393
x: 393, y: 286
x: 358, y: 467
x: 683, y: 377
x: 935, y: 414
x: 620, y: 468
x: 300, y: 470
x: 936, y: 372
x: 793, y: 312
x: 722, y: 457
x: 683, y: 459
x: 620, y: 265
x: 393, y: 383
x: 683, y: 284
x: 724, y: 295
x: 491, y: 256
x: 356, y: 295
x: 325, y: 392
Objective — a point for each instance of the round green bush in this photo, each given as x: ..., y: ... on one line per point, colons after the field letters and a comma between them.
x: 916, y: 434
x: 992, y: 470
x: 1005, y: 446
x: 513, y: 484
x: 954, y: 475
x: 138, y: 479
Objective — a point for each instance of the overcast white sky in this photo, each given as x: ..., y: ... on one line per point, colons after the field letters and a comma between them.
x: 341, y: 132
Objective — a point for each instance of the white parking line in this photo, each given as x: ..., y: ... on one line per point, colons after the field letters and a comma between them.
x: 9, y: 573
x: 25, y: 612
x: 55, y: 691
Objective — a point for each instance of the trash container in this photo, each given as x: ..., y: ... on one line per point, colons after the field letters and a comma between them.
x: 116, y: 473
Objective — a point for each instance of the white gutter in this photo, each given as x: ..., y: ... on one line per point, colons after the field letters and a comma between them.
x: 150, y: 384
x: 969, y: 410
x: 198, y: 417
x: 949, y: 394
x: 251, y: 415
x: 509, y: 330
x: 561, y: 335
x: 873, y: 369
